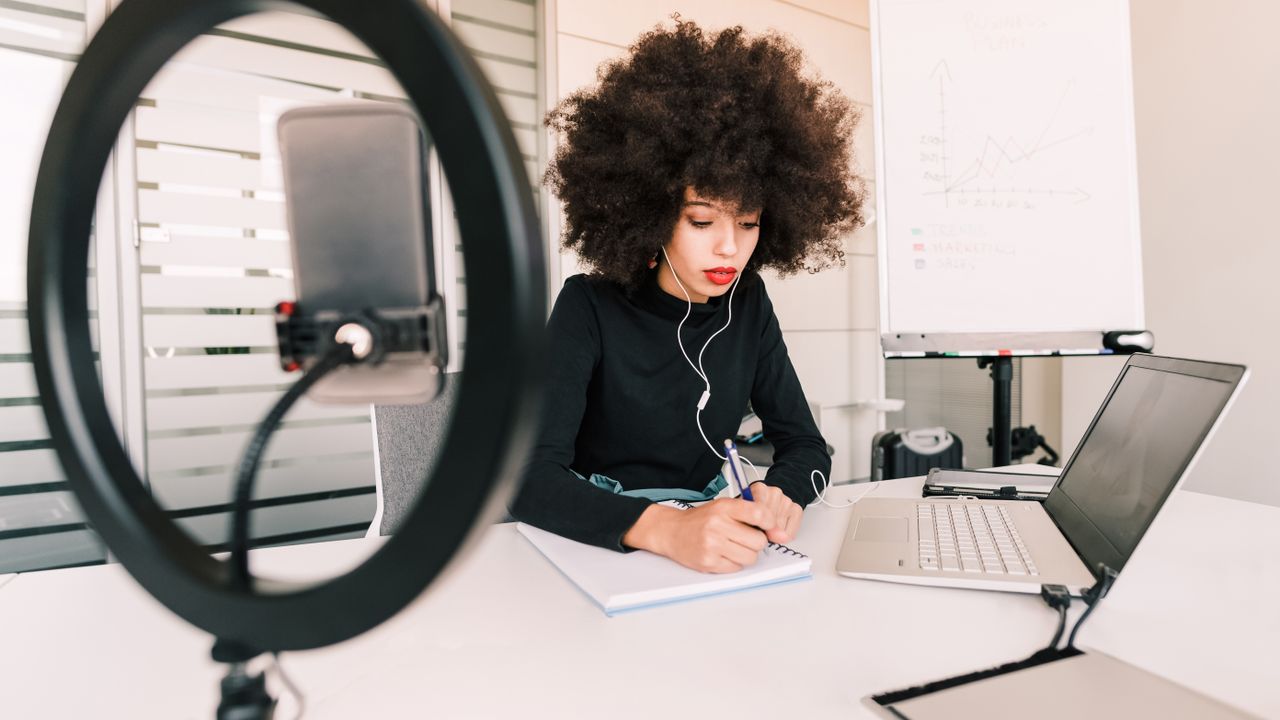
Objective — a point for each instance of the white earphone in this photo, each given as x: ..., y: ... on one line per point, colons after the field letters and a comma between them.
x: 706, y: 393
x: 820, y: 495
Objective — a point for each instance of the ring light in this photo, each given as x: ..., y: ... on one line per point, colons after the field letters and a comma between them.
x: 495, y: 418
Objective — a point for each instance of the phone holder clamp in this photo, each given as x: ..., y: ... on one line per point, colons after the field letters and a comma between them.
x: 304, y: 336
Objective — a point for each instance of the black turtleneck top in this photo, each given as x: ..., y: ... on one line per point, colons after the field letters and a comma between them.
x: 621, y: 401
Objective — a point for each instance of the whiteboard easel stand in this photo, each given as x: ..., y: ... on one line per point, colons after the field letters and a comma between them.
x: 1001, y: 411
x: 1114, y: 342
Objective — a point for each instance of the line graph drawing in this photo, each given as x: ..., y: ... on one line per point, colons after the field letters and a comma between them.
x: 989, y: 178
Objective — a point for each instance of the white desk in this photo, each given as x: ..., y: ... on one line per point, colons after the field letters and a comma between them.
x: 504, y: 635
x: 4, y: 579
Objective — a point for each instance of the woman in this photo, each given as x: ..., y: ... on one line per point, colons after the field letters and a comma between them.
x: 697, y: 161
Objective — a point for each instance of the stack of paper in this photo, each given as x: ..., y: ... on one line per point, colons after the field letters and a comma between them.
x: 619, y: 582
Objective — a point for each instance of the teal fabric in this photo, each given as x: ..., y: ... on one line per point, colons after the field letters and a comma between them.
x: 712, y: 489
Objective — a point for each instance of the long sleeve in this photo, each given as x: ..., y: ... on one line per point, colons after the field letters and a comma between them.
x: 553, y: 497
x: 778, y: 399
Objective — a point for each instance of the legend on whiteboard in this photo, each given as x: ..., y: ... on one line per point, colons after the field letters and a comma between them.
x: 956, y: 247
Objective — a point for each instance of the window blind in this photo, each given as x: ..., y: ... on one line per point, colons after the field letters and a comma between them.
x: 40, y: 524
x: 502, y: 37
x: 213, y: 259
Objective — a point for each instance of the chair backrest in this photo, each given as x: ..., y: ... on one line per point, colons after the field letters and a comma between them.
x: 409, y: 439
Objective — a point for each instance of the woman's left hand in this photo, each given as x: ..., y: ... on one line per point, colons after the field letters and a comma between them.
x: 788, y: 513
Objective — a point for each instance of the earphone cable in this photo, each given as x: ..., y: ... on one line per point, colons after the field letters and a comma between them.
x: 687, y: 312
x: 732, y: 290
x: 697, y: 369
x: 820, y: 494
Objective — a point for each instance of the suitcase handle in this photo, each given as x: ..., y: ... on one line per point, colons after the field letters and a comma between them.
x: 927, y: 441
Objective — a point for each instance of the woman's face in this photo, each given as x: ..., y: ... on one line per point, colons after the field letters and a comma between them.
x: 710, y: 245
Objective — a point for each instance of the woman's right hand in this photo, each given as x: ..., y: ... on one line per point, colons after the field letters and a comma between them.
x: 721, y: 536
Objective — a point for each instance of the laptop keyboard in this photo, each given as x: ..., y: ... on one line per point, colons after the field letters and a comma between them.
x: 971, y: 537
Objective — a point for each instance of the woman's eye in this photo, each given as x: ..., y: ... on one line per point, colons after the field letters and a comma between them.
x: 700, y: 223
x: 749, y: 225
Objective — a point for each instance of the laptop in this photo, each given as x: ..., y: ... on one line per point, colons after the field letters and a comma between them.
x: 1141, y: 444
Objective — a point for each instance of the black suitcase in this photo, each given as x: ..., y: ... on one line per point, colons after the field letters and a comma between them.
x: 906, y: 453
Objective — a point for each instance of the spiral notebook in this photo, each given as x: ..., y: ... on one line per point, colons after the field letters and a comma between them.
x: 619, y: 582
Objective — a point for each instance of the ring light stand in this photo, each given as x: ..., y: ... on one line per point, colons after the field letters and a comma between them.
x: 495, y: 420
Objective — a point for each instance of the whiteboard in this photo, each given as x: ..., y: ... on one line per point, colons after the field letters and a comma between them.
x: 1006, y: 175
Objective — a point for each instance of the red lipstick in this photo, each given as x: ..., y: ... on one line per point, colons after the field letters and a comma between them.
x: 721, y: 275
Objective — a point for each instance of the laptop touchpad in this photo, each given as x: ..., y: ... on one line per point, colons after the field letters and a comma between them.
x: 882, y: 529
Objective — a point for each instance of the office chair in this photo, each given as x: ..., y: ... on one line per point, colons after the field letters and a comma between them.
x: 408, y: 441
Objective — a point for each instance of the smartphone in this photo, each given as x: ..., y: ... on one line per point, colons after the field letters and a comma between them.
x: 359, y: 217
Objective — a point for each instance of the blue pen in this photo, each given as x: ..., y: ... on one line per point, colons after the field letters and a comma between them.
x: 735, y: 468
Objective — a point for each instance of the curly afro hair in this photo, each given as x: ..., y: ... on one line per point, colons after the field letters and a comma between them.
x: 727, y: 114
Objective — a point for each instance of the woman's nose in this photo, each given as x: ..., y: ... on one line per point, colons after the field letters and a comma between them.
x: 726, y: 246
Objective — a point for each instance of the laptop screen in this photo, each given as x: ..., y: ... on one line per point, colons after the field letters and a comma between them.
x: 1133, y: 455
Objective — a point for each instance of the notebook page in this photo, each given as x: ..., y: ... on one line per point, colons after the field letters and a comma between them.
x: 618, y: 581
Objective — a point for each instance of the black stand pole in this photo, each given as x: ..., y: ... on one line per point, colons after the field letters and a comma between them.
x: 1001, y: 415
x: 244, y: 696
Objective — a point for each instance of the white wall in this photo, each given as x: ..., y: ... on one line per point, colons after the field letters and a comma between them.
x: 828, y: 319
x: 1207, y: 106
